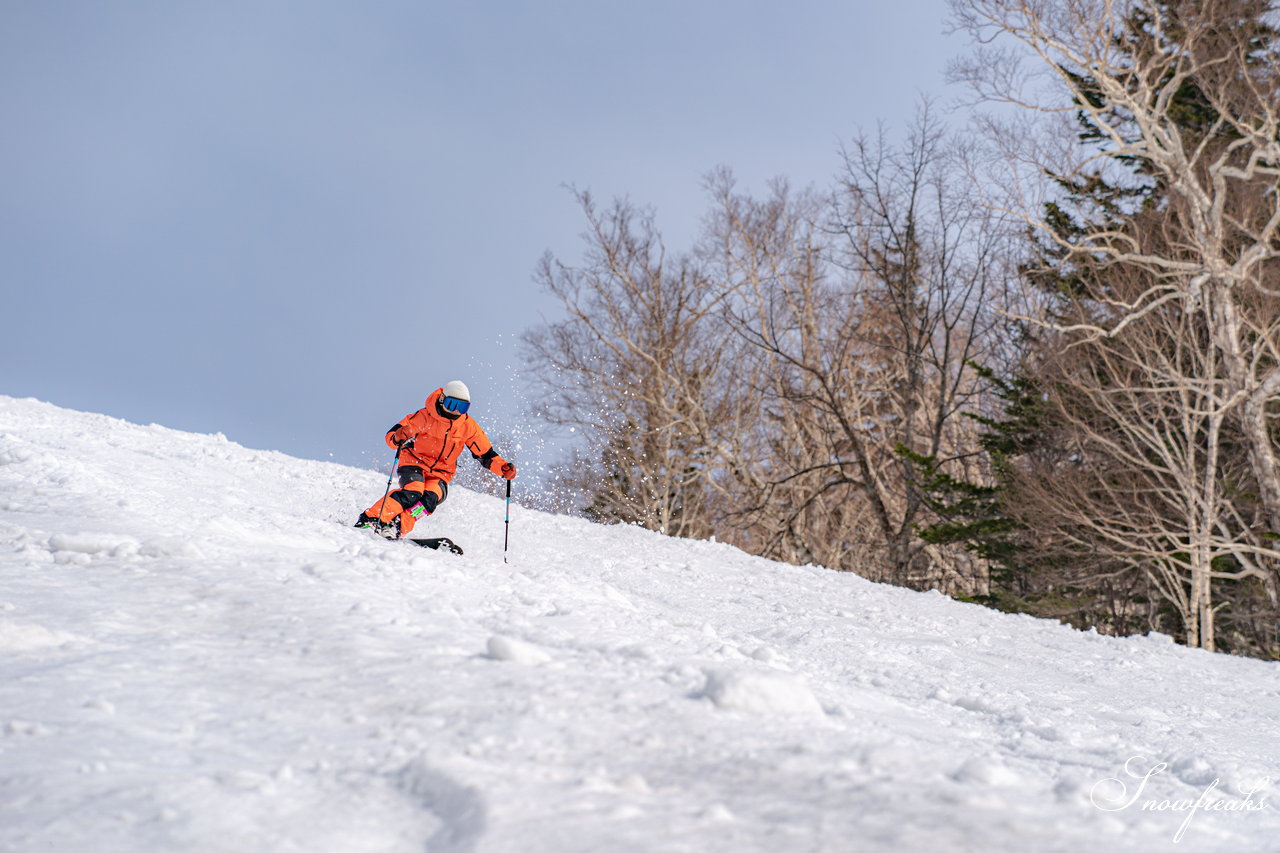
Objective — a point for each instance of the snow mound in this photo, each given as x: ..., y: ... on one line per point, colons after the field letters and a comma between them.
x: 760, y: 692
x: 19, y: 637
x: 516, y: 651
x: 987, y: 770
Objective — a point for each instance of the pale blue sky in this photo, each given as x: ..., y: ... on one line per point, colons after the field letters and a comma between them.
x: 290, y: 221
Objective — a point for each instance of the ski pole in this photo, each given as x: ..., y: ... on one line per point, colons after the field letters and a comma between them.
x: 394, y: 459
x: 507, y: 537
x: 382, y: 504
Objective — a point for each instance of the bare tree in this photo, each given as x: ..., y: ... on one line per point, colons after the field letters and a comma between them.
x: 866, y: 313
x: 1144, y: 481
x: 1182, y: 98
x: 763, y: 250
x: 633, y: 368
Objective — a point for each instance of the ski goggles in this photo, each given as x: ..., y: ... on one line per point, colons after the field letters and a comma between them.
x: 455, y: 405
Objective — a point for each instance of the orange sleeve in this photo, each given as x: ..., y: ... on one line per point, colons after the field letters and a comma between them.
x: 482, y: 449
x: 479, y: 443
x: 406, y: 428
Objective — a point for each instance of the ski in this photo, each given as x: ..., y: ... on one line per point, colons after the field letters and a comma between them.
x: 440, y: 543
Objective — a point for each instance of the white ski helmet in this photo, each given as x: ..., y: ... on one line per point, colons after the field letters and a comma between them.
x: 458, y: 390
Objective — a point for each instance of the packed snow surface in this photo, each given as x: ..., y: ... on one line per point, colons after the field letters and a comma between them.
x: 197, y: 653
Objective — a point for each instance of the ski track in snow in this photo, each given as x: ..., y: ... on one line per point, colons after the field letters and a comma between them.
x: 197, y: 653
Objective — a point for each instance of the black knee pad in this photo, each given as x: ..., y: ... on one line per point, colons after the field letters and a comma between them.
x: 408, y: 498
x: 430, y: 501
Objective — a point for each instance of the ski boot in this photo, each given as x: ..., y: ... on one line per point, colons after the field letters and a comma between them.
x: 387, y: 530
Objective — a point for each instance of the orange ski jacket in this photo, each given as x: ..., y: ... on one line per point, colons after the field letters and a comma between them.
x: 438, y: 441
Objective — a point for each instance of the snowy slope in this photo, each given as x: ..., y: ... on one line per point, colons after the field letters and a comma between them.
x: 197, y: 654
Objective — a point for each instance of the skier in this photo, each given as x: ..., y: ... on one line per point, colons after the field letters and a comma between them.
x: 428, y: 444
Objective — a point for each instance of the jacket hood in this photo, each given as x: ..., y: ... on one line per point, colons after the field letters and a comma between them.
x: 433, y: 406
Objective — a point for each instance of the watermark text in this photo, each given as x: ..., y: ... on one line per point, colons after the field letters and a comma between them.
x: 1114, y: 795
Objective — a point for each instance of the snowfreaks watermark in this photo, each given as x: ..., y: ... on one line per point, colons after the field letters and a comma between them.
x: 1113, y: 795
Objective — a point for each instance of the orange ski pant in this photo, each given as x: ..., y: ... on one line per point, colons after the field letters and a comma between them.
x: 417, y: 497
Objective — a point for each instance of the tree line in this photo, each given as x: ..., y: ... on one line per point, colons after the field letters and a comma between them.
x: 1035, y: 364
